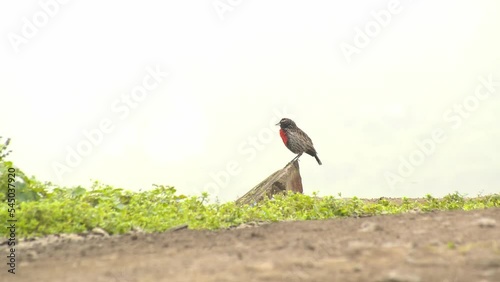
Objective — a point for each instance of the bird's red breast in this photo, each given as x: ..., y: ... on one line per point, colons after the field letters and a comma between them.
x: 284, y: 137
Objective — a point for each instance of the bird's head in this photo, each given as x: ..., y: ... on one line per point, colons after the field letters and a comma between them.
x: 286, y: 123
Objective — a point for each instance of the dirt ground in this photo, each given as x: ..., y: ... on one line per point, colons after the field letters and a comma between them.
x: 437, y: 246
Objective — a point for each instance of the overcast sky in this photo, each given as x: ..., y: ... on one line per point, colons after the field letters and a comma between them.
x: 401, y: 98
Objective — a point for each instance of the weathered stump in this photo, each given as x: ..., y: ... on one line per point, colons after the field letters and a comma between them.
x: 285, y: 179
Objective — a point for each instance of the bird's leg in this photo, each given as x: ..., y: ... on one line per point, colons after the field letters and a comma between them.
x: 296, y: 157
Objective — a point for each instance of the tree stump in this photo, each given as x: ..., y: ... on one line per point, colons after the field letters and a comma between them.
x: 285, y: 179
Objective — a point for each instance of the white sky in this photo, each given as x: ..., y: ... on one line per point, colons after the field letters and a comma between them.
x: 231, y: 73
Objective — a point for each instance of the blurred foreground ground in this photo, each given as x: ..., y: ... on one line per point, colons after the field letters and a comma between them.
x: 438, y: 246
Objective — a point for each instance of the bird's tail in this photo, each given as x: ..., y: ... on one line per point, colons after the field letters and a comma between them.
x: 317, y: 159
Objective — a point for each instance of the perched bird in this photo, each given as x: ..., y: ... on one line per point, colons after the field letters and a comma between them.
x: 296, y: 140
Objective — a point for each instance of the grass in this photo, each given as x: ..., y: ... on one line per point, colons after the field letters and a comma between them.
x: 43, y: 209
x: 117, y: 211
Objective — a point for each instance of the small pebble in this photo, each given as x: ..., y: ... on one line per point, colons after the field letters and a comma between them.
x: 100, y: 231
x: 368, y: 226
x: 486, y: 222
x: 394, y: 276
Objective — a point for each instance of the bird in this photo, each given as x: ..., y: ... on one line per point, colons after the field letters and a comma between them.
x: 296, y: 140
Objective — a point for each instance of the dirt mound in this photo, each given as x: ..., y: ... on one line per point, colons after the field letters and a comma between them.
x: 437, y: 246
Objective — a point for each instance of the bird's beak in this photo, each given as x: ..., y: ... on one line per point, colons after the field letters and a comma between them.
x: 277, y: 123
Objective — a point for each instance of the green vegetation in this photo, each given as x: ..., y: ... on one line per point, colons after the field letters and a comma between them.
x: 42, y: 208
x: 115, y: 210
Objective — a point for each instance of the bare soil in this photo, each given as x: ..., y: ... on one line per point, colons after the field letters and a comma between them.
x: 436, y: 246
